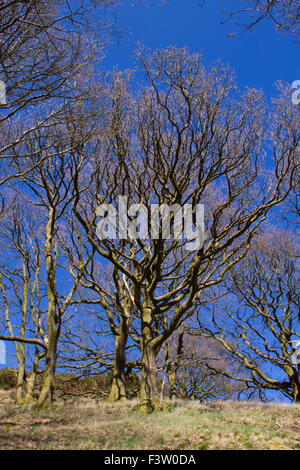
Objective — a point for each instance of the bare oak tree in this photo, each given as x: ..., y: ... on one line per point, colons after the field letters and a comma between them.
x: 44, y: 47
x: 187, y: 137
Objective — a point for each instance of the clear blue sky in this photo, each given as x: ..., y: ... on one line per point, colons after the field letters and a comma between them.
x: 259, y: 57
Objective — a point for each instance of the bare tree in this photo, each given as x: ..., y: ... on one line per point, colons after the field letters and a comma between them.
x: 110, y: 312
x: 285, y: 14
x: 48, y: 188
x: 48, y: 52
x: 22, y: 292
x: 187, y: 137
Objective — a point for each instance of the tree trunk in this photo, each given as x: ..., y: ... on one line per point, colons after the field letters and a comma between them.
x: 170, y: 372
x: 118, y: 387
x: 296, y: 391
x: 30, y: 380
x: 150, y: 399
x: 172, y: 384
x: 47, y: 391
x: 173, y: 366
x: 21, y: 352
x: 21, y: 376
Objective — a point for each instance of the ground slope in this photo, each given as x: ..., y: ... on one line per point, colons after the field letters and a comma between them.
x: 93, y: 424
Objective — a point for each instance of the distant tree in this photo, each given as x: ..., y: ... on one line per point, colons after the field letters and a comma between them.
x: 256, y: 318
x: 22, y: 293
x: 285, y: 14
x: 191, y: 364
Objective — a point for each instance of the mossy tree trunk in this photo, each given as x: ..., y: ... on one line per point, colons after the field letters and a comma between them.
x: 30, y: 383
x: 21, y: 374
x: 47, y: 391
x: 152, y: 340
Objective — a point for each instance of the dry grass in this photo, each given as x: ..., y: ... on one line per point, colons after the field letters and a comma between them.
x: 93, y: 424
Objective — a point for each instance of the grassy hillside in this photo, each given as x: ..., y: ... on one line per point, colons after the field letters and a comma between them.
x: 96, y: 424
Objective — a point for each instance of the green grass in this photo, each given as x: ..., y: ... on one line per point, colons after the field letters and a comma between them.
x: 94, y: 424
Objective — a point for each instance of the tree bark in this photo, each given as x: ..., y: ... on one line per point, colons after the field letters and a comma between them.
x: 150, y: 399
x: 21, y: 350
x: 296, y: 390
x: 31, y: 378
x: 173, y: 366
x: 47, y: 391
x: 118, y: 387
x: 30, y: 382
